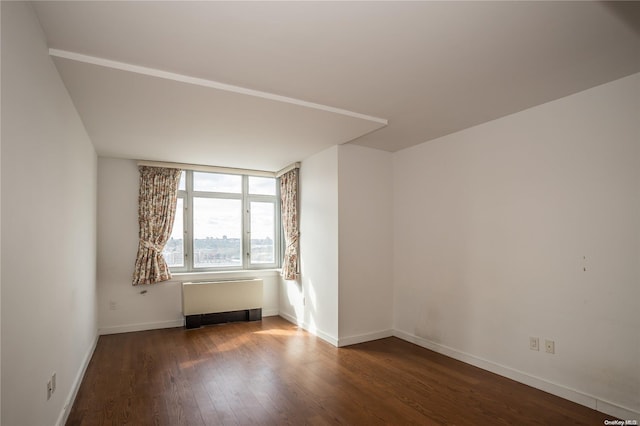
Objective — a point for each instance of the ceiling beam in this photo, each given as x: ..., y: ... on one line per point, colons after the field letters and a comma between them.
x: 122, y: 66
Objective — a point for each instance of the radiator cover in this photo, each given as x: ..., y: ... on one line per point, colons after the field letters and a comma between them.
x: 214, y: 302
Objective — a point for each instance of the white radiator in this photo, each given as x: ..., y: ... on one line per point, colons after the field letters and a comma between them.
x: 221, y: 296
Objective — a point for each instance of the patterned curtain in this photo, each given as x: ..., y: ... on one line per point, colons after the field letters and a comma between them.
x: 156, y: 211
x: 289, y: 199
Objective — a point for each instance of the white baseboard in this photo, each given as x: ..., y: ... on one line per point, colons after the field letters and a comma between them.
x: 292, y: 319
x: 161, y: 324
x: 521, y: 377
x: 141, y: 327
x: 617, y: 411
x: 324, y: 336
x: 75, y: 386
x: 361, y: 338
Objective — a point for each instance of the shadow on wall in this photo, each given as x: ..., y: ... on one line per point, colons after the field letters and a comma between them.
x: 304, y: 307
x: 627, y: 12
x: 294, y: 297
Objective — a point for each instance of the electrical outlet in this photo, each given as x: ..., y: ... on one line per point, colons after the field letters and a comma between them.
x: 534, y: 343
x: 53, y: 382
x: 550, y: 346
x: 49, y: 390
x: 112, y: 305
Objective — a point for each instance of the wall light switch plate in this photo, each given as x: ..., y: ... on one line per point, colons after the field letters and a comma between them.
x: 534, y: 343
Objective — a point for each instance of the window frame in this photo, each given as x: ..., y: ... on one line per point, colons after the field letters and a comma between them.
x: 188, y: 195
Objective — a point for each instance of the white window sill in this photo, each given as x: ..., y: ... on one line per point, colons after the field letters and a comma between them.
x: 221, y: 275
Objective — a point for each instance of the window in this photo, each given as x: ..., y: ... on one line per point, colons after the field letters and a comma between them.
x: 225, y: 222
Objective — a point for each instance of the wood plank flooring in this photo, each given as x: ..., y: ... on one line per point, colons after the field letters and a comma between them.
x: 270, y: 372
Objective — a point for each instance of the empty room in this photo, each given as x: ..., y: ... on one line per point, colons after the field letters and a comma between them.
x: 370, y: 212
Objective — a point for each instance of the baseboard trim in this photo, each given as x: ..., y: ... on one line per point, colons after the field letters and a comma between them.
x: 141, y: 327
x: 324, y: 336
x: 556, y: 389
x: 75, y: 386
x: 292, y: 319
x: 616, y: 410
x: 361, y: 338
x: 161, y: 324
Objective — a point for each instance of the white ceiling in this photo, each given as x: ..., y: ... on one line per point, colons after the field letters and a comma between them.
x: 135, y: 115
x: 429, y: 68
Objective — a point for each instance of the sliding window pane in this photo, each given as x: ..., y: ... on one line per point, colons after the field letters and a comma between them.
x: 217, y: 229
x: 174, y: 249
x: 263, y: 232
x: 262, y: 185
x: 215, y: 182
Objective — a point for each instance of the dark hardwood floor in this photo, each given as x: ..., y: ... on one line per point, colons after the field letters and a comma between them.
x: 272, y: 372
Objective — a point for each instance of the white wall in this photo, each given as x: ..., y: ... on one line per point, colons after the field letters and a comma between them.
x: 48, y: 229
x: 494, y: 226
x: 161, y: 305
x: 313, y: 302
x: 346, y: 286
x: 0, y: 231
x: 365, y: 244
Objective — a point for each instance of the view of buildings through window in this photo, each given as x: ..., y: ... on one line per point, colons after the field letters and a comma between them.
x: 224, y: 221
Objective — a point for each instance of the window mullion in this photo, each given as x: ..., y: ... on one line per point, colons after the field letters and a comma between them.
x: 189, y: 222
x: 279, y: 233
x: 185, y: 240
x: 246, y: 224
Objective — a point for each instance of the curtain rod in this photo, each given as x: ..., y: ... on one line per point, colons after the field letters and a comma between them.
x: 287, y: 169
x: 216, y: 169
